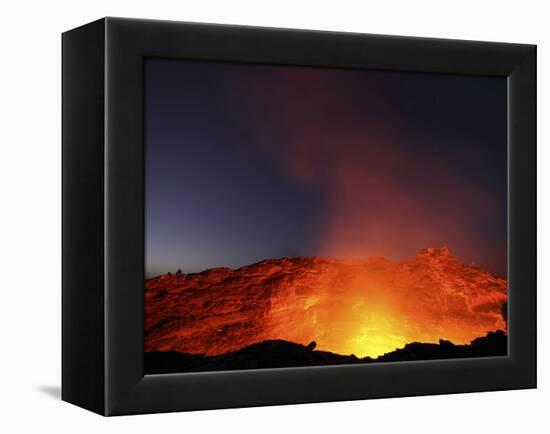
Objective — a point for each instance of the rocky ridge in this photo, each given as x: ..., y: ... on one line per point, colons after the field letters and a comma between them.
x: 366, y: 308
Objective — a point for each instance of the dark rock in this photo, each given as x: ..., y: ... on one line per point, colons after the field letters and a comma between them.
x: 311, y: 346
x: 283, y: 354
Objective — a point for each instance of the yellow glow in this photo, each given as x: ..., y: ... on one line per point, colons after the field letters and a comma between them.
x: 373, y: 345
x: 310, y: 301
x: 377, y: 334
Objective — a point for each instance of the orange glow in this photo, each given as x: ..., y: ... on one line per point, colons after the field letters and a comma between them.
x: 366, y: 308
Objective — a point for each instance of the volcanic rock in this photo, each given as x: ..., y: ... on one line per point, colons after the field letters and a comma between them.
x: 283, y: 354
x: 366, y: 308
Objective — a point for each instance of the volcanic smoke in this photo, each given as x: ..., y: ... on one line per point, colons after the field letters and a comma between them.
x: 384, y: 193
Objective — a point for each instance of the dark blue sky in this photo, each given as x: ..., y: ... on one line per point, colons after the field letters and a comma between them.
x: 248, y: 162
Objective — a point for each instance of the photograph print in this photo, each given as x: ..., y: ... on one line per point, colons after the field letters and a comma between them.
x: 305, y: 216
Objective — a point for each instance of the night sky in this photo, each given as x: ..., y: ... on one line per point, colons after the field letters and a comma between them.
x: 248, y: 162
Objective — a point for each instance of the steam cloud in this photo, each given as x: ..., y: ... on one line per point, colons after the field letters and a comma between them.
x: 384, y: 193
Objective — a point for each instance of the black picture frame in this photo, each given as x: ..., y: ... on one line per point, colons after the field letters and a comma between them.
x: 103, y: 216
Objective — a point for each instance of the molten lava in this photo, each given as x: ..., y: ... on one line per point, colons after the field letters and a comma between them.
x: 366, y: 308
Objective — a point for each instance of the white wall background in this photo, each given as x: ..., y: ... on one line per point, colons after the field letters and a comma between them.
x: 30, y: 183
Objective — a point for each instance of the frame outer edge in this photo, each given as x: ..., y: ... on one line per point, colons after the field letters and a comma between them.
x: 128, y: 391
x: 82, y: 222
x: 522, y: 87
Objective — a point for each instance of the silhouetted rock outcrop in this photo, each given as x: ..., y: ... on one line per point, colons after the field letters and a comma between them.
x: 283, y: 354
x: 311, y: 346
x: 494, y: 344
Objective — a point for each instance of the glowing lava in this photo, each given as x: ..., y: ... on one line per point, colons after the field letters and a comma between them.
x: 366, y: 308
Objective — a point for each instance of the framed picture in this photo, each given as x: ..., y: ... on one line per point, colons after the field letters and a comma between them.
x: 257, y: 216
